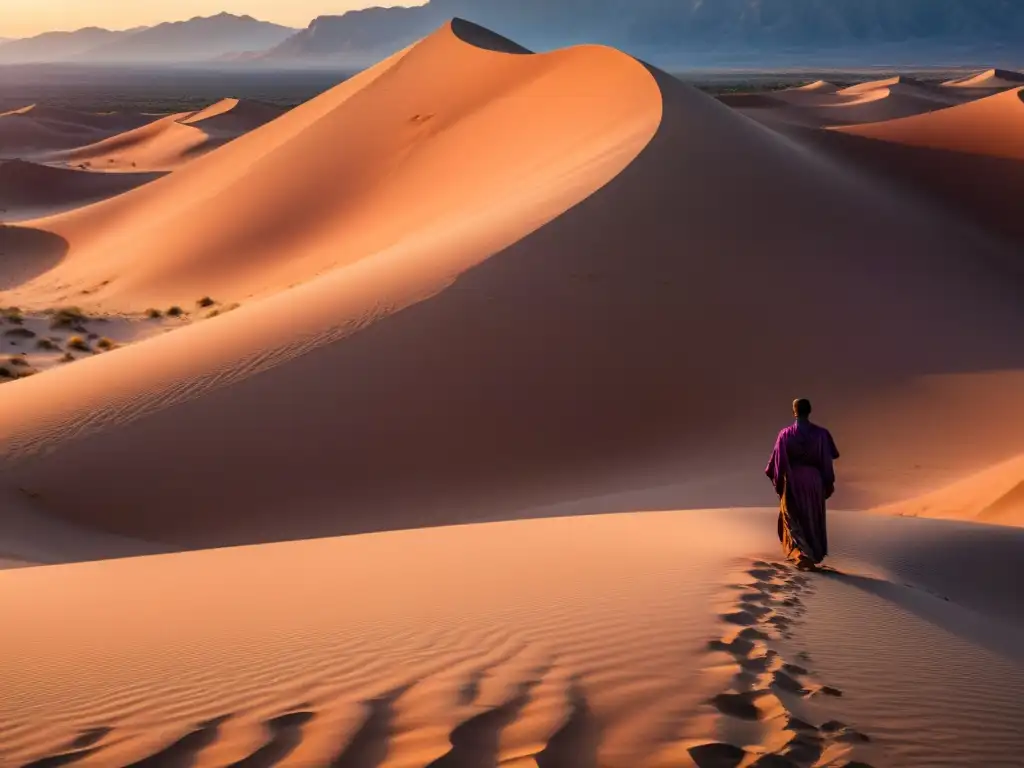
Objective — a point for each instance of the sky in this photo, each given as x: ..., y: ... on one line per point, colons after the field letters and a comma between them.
x: 23, y: 18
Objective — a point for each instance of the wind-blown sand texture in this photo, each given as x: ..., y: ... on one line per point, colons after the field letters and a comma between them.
x: 480, y: 284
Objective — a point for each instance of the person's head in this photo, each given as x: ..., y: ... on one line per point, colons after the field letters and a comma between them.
x: 802, y: 408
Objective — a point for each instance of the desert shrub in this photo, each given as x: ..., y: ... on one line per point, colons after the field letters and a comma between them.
x: 12, y: 315
x: 106, y: 344
x: 67, y: 317
x: 77, y: 342
x: 5, y: 373
x: 18, y: 361
x: 47, y: 344
x: 175, y: 311
x: 205, y: 302
x: 67, y: 358
x: 223, y: 310
x: 20, y: 333
x: 153, y: 314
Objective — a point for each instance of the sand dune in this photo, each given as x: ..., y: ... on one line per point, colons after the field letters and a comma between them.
x: 171, y: 141
x: 989, y: 126
x: 992, y: 78
x: 818, y: 86
x: 30, y: 190
x: 477, y: 284
x: 531, y: 643
x: 995, y: 495
x: 555, y: 363
x: 37, y: 130
x: 819, y: 105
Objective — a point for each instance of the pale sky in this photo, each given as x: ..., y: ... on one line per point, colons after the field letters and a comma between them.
x: 23, y: 18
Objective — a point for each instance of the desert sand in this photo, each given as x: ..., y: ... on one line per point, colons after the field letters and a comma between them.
x: 487, y: 308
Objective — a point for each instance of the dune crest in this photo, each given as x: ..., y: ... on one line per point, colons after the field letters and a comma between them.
x: 991, y: 78
x: 993, y: 125
x: 34, y: 131
x: 169, y: 142
x: 818, y: 86
x: 994, y: 495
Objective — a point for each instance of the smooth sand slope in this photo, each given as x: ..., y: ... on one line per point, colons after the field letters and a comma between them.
x: 518, y: 297
x: 660, y: 640
x: 991, y: 79
x: 37, y: 130
x: 993, y: 125
x: 30, y: 190
x: 995, y: 495
x: 171, y: 141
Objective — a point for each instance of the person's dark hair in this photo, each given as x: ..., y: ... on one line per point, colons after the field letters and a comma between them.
x: 802, y: 408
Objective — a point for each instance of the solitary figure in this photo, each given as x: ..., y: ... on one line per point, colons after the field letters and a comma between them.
x: 801, y: 470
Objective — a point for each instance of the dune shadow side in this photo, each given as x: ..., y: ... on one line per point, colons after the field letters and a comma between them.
x: 480, y: 37
x: 936, y: 609
x: 27, y: 253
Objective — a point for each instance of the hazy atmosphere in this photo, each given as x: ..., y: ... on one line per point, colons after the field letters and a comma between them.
x: 21, y: 18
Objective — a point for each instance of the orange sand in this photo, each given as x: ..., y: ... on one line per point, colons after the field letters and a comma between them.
x: 480, y: 284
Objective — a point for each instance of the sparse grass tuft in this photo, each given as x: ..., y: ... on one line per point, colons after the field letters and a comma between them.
x: 205, y: 302
x: 77, y: 342
x: 67, y: 358
x: 47, y: 344
x: 106, y: 344
x: 175, y: 311
x: 153, y: 313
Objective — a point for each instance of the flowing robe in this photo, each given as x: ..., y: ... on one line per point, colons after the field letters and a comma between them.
x: 801, y: 470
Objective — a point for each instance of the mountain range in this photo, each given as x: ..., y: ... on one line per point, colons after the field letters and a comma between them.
x: 651, y: 28
x: 198, y: 39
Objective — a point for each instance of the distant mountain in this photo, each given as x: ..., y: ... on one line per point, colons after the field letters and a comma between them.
x: 198, y: 39
x: 57, y: 46
x: 643, y: 26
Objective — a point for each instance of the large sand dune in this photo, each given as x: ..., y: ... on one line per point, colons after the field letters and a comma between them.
x: 990, y: 78
x: 478, y: 283
x: 171, y: 141
x: 37, y: 130
x: 573, y: 301
x: 993, y: 125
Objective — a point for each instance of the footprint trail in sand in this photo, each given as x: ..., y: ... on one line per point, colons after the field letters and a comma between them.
x: 766, y: 717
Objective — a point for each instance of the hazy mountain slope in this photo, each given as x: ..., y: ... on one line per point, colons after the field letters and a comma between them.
x: 196, y: 39
x: 641, y: 25
x: 56, y: 46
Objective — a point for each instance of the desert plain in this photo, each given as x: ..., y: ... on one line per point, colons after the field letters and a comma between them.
x: 424, y: 424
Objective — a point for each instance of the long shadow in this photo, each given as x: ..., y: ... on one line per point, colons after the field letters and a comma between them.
x: 26, y: 253
x: 938, y: 610
x: 80, y: 748
x: 369, y: 746
x: 183, y: 752
x: 475, y: 743
x: 285, y: 736
x: 574, y: 745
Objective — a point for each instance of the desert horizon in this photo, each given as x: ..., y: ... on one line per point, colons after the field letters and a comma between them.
x: 418, y: 415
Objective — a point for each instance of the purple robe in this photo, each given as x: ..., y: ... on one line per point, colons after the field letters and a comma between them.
x: 801, y: 470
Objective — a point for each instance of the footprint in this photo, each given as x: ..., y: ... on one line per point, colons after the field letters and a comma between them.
x: 742, y: 618
x: 742, y: 706
x: 717, y: 755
